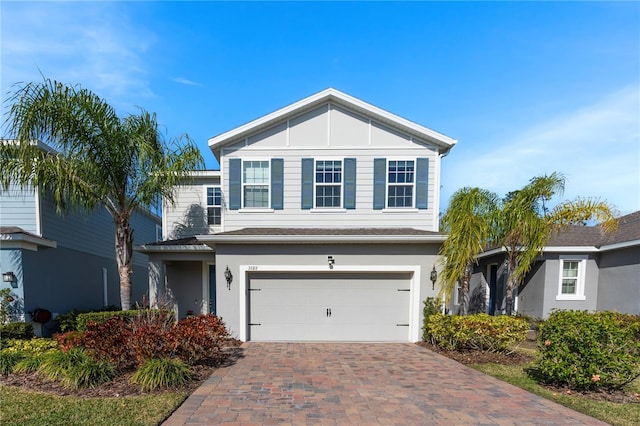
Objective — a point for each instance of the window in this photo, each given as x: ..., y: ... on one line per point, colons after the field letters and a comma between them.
x: 255, y: 180
x: 572, y: 278
x: 328, y: 183
x: 214, y: 206
x: 400, y: 179
x: 158, y: 233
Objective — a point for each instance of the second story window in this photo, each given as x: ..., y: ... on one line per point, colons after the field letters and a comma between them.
x: 400, y: 183
x: 255, y: 180
x: 328, y: 183
x: 214, y: 206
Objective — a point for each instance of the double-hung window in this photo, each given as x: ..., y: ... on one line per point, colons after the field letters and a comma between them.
x: 328, y: 183
x: 214, y: 205
x: 400, y: 178
x: 255, y: 181
x: 572, y: 278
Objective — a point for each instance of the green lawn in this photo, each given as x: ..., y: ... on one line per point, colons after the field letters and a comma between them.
x: 30, y: 408
x: 615, y: 414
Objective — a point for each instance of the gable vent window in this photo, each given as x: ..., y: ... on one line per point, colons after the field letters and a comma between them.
x: 401, y: 179
x: 214, y: 206
x: 255, y: 178
x: 328, y: 183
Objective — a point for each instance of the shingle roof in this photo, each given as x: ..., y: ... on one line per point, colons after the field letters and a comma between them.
x: 628, y: 230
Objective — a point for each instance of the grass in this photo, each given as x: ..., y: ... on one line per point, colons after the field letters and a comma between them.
x: 31, y: 408
x: 613, y: 413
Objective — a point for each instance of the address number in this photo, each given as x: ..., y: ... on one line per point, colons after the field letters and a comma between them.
x: 252, y: 268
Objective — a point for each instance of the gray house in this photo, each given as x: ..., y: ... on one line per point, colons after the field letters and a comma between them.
x: 321, y: 224
x: 580, y: 268
x: 63, y: 262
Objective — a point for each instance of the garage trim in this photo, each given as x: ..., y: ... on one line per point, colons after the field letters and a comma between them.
x: 414, y: 300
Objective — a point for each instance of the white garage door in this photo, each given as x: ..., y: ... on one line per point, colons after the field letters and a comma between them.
x: 329, y: 306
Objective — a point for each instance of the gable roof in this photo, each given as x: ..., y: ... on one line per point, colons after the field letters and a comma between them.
x: 337, y: 97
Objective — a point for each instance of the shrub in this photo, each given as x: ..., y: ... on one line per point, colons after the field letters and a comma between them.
x: 16, y: 330
x: 29, y: 363
x: 75, y: 368
x: 479, y: 332
x: 200, y: 338
x: 152, y: 335
x: 588, y: 351
x: 111, y: 341
x: 37, y: 345
x: 70, y: 339
x: 161, y: 373
x: 8, y: 360
x: 69, y: 321
x: 84, y: 319
x: 431, y: 307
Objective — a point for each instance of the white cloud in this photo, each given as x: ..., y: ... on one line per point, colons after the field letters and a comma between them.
x: 93, y: 43
x: 596, y: 147
x: 186, y: 81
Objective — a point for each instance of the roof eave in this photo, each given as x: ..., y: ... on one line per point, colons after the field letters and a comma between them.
x: 320, y: 239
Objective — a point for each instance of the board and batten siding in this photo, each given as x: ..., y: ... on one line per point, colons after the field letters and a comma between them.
x: 188, y: 216
x: 332, y: 133
x: 18, y: 207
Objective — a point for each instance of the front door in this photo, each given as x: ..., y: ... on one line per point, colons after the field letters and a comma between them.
x: 212, y: 289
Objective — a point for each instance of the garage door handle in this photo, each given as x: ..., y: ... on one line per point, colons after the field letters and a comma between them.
x: 255, y: 323
x: 404, y: 289
x: 402, y: 325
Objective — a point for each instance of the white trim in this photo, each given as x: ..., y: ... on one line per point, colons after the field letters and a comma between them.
x: 267, y: 184
x: 256, y: 210
x: 580, y: 281
x: 204, y: 305
x: 204, y: 173
x: 400, y: 210
x: 328, y: 210
x: 331, y: 95
x: 388, y: 184
x: 616, y: 246
x: 206, y: 204
x: 437, y: 190
x: 307, y: 239
x: 414, y: 300
x: 38, y: 211
x: 26, y: 241
x: 549, y: 249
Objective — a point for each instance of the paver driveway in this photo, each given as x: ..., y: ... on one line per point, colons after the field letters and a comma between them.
x: 357, y: 383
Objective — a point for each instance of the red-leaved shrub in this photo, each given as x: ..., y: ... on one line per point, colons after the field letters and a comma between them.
x: 70, y: 339
x: 153, y: 336
x: 200, y: 338
x: 111, y: 340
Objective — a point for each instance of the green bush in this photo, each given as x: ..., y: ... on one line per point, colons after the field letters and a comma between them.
x: 102, y: 316
x: 431, y: 307
x: 588, y: 351
x: 69, y: 321
x: 16, y: 330
x: 477, y: 332
x: 161, y: 373
x: 36, y: 345
x: 8, y: 360
x: 75, y: 368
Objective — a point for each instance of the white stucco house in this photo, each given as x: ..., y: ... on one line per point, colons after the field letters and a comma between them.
x: 321, y: 224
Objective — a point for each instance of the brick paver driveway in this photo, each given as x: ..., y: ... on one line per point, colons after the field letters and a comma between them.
x: 355, y: 384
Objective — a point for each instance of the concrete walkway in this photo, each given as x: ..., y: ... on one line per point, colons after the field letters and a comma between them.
x: 361, y: 384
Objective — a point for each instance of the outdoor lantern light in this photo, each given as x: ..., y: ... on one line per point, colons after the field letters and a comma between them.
x: 434, y: 278
x: 10, y: 277
x: 228, y: 277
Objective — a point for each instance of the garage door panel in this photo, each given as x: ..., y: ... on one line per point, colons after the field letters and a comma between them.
x: 315, y: 306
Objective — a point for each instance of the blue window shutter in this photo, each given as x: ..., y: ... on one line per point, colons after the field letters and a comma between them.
x: 235, y: 183
x: 349, y: 201
x: 307, y: 183
x: 379, y: 183
x: 422, y: 182
x: 277, y: 183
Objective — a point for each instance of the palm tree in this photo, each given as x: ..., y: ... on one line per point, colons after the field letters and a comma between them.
x: 525, y: 224
x: 469, y: 221
x: 121, y: 164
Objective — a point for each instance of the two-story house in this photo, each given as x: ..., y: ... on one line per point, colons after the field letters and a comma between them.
x: 321, y: 224
x: 61, y: 262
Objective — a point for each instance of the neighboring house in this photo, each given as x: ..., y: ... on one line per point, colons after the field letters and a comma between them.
x: 580, y: 268
x: 322, y: 224
x: 64, y: 262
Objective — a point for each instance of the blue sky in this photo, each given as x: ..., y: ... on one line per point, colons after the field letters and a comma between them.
x: 526, y: 88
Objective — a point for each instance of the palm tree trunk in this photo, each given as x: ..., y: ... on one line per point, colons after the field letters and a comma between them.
x: 510, y: 286
x: 124, y: 258
x: 464, y: 290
